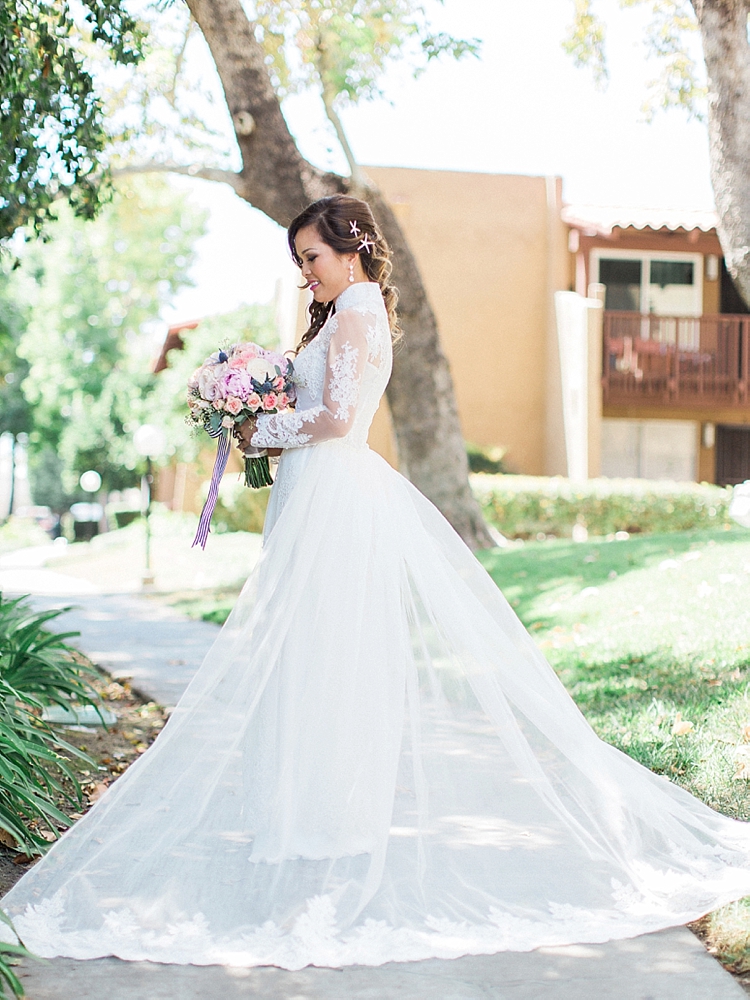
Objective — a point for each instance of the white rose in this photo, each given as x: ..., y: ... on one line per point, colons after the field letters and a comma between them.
x: 260, y: 369
x: 208, y: 381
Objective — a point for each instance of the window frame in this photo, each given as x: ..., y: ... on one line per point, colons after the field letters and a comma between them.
x: 596, y: 254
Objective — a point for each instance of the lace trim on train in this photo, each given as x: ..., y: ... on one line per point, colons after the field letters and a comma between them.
x: 314, y: 937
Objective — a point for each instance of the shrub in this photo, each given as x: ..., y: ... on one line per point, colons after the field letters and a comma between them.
x: 37, y: 668
x: 9, y: 954
x: 20, y: 532
x: 485, y: 458
x: 531, y: 506
x: 240, y: 508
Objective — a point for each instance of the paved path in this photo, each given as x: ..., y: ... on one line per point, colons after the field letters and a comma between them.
x: 136, y: 637
x: 160, y: 650
x: 671, y: 965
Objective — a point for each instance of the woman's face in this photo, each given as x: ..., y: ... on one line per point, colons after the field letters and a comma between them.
x: 325, y: 271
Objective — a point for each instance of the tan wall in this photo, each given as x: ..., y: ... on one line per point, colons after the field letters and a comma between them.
x: 481, y: 242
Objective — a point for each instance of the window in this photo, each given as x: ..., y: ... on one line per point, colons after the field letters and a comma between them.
x: 649, y: 449
x: 622, y: 279
x: 671, y: 272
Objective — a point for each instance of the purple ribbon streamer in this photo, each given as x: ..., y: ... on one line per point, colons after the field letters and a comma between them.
x: 222, y: 457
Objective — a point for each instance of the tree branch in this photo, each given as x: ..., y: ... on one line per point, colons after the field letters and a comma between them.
x: 204, y: 173
x: 171, y: 94
x: 359, y: 182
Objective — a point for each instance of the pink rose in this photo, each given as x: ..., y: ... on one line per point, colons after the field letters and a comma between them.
x: 270, y: 401
x: 218, y: 404
x: 253, y: 401
x: 233, y: 405
x: 282, y: 401
x: 278, y: 383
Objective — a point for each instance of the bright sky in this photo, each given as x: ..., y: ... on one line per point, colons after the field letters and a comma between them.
x: 523, y: 108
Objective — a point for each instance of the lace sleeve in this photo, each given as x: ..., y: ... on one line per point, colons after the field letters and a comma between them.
x: 345, y: 365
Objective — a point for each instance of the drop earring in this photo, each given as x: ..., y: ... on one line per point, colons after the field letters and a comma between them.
x: 351, y: 272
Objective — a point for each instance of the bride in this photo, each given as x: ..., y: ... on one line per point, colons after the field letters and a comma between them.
x: 374, y: 763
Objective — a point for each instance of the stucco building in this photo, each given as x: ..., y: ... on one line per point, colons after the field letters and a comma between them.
x: 660, y: 375
x: 583, y: 340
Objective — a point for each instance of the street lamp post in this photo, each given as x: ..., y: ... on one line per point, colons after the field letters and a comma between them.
x: 149, y: 441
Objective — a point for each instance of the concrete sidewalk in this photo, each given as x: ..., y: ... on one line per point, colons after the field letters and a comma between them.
x: 671, y: 965
x: 136, y: 637
x: 160, y: 650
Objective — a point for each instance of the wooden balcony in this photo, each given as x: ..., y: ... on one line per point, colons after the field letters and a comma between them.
x: 676, y: 361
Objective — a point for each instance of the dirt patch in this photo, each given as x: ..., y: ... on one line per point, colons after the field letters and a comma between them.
x: 112, y: 750
x: 739, y: 967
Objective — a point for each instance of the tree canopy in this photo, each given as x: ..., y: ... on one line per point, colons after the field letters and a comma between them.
x: 671, y: 37
x: 91, y: 294
x: 52, y: 127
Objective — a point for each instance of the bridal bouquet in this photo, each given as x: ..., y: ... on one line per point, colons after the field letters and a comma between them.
x: 228, y: 388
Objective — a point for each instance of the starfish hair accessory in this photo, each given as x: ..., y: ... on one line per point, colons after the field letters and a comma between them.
x: 354, y: 228
x: 366, y: 243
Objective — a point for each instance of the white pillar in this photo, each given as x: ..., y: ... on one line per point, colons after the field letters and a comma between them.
x: 574, y: 325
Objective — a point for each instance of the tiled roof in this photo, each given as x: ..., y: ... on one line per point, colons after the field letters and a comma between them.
x: 602, y: 219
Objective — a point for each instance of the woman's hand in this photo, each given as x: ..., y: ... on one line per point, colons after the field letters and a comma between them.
x: 243, y: 433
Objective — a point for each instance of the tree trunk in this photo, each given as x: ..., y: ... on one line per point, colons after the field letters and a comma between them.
x: 276, y: 179
x: 724, y: 33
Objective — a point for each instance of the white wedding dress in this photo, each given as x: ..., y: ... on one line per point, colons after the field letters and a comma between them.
x: 374, y: 763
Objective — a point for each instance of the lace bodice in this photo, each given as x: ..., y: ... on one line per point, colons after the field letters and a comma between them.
x: 341, y: 376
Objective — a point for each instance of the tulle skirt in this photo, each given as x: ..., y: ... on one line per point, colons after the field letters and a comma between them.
x: 374, y: 763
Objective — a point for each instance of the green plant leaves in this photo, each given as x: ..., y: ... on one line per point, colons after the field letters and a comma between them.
x: 37, y: 668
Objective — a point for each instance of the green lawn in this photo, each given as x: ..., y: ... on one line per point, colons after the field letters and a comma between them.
x: 651, y: 636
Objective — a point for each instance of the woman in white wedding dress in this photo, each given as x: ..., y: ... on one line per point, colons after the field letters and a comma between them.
x: 374, y: 762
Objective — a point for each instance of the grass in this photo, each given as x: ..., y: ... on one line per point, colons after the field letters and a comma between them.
x: 207, y: 605
x: 651, y: 636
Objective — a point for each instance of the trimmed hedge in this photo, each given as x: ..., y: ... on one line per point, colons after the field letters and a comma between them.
x: 533, y: 506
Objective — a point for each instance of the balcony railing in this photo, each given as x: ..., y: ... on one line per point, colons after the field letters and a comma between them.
x: 676, y: 361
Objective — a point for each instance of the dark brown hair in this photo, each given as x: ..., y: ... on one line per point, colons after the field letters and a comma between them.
x: 332, y: 218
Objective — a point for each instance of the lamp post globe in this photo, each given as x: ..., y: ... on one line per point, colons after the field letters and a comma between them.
x: 150, y: 441
x: 90, y: 481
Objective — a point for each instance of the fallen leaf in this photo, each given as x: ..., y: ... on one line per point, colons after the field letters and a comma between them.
x: 681, y: 726
x: 742, y: 761
x: 7, y: 839
x: 99, y: 789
